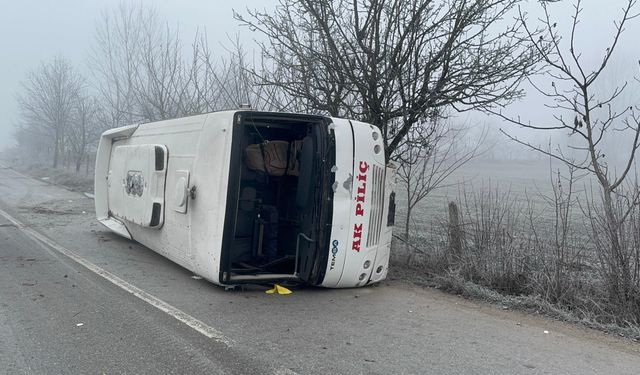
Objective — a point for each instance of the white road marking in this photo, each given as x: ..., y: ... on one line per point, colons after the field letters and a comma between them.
x: 178, y: 314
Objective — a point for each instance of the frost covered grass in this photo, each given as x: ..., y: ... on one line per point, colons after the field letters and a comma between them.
x: 530, y: 241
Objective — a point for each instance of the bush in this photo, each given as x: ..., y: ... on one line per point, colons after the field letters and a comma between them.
x: 520, y: 247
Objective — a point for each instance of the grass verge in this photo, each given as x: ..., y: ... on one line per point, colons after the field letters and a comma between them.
x: 454, y: 283
x: 78, y: 182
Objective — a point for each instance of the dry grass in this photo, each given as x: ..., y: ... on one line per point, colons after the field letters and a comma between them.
x: 67, y: 177
x: 535, y: 253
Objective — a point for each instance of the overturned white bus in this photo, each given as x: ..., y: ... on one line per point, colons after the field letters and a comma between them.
x: 253, y: 197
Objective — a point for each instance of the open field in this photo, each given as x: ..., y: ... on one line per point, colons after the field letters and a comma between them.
x: 521, y: 235
x: 521, y: 181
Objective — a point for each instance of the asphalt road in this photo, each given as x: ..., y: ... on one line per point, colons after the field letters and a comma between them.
x: 58, y: 316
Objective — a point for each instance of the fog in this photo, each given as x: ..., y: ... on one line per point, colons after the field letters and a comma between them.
x: 35, y: 31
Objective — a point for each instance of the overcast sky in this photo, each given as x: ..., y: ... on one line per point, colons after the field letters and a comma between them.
x: 32, y: 31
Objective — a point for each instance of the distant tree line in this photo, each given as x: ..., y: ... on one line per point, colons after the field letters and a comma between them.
x: 139, y: 71
x: 58, y: 114
x: 398, y: 64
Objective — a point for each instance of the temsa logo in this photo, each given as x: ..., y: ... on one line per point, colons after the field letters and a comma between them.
x: 360, y: 199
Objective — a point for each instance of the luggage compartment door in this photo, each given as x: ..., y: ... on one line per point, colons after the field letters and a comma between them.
x: 136, y: 183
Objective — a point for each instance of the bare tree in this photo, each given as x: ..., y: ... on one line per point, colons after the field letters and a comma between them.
x: 589, y: 117
x: 139, y: 67
x: 161, y: 85
x: 84, y: 130
x: 115, y: 60
x: 431, y: 152
x: 142, y: 71
x: 34, y: 142
x: 391, y: 62
x: 227, y: 81
x: 49, y: 94
x: 222, y: 81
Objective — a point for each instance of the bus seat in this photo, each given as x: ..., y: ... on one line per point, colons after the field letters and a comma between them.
x: 276, y: 158
x: 247, y: 212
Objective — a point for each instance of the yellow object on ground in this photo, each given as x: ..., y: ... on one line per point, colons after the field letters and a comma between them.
x: 278, y: 289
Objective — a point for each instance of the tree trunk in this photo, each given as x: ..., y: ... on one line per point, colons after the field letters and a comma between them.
x: 407, y: 244
x: 620, y: 273
x: 67, y: 158
x: 78, y: 163
x: 56, y: 149
x: 455, y: 233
